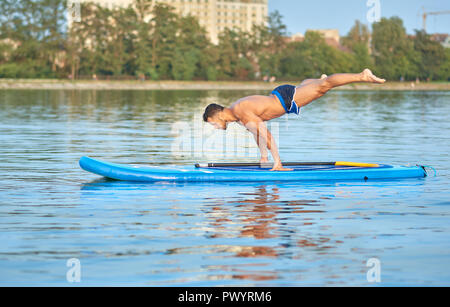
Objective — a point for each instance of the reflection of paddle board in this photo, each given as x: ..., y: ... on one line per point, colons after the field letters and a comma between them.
x: 250, y: 172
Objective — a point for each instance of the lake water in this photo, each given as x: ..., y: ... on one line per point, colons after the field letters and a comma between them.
x: 229, y: 234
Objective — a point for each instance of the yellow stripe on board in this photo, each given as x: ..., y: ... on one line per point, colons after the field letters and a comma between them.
x: 343, y: 163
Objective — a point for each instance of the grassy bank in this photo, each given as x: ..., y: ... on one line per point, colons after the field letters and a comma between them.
x: 200, y: 85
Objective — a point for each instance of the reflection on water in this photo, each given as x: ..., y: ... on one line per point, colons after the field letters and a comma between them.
x: 257, y: 234
x: 232, y: 234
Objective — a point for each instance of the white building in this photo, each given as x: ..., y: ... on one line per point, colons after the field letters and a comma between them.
x: 214, y: 15
x: 446, y: 43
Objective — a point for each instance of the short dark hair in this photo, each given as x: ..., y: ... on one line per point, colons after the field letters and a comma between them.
x: 212, y: 110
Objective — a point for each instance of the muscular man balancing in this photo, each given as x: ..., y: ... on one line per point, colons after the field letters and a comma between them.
x: 253, y: 111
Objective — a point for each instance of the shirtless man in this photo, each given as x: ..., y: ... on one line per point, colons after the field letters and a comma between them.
x: 253, y: 111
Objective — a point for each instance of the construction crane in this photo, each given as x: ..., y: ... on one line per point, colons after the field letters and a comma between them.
x: 426, y: 14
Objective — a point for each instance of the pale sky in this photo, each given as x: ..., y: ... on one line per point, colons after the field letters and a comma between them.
x: 300, y: 15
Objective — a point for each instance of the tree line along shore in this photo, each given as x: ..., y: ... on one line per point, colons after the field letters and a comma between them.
x: 35, y: 42
x: 55, y: 84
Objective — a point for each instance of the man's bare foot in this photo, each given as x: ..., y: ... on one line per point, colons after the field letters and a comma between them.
x: 368, y: 76
x: 264, y: 160
x: 264, y: 163
x: 279, y: 167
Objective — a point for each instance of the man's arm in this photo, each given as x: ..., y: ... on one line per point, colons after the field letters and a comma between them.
x: 262, y: 149
x: 264, y: 139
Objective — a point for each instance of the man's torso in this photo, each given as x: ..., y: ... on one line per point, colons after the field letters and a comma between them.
x: 263, y: 107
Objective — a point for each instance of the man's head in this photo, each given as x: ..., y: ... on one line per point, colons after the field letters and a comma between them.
x: 214, y: 115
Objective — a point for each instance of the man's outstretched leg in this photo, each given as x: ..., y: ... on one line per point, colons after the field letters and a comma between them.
x: 308, y: 81
x: 313, y: 89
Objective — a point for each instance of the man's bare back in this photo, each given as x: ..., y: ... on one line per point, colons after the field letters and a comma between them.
x: 265, y: 107
x: 253, y: 111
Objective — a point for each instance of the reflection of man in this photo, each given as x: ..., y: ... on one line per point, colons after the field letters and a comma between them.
x: 259, y: 218
x: 253, y: 111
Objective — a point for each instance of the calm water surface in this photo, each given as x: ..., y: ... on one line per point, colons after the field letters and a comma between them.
x: 251, y: 234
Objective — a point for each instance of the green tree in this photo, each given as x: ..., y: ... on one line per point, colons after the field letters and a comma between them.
x: 268, y: 42
x: 115, y: 50
x: 362, y: 57
x: 359, y: 35
x: 35, y: 30
x: 393, y: 51
x: 312, y: 58
x: 227, y: 53
x: 192, y: 43
x: 209, y: 63
x: 234, y: 55
x: 143, y: 46
x: 163, y: 39
x: 358, y: 41
x: 150, y: 39
x: 185, y: 64
x: 444, y: 70
x: 432, y: 55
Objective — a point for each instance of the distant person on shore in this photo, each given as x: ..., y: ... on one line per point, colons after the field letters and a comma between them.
x: 253, y: 111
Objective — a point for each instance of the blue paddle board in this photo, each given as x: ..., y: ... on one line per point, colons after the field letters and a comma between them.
x: 246, y: 173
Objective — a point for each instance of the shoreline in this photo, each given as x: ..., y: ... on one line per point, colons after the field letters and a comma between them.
x: 56, y: 84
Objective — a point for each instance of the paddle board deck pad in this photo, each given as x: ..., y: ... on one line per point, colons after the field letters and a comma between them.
x: 303, y: 172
